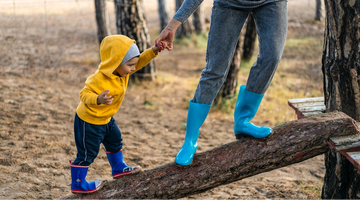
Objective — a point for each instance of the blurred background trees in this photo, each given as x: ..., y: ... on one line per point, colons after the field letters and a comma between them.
x: 186, y: 28
x: 131, y: 21
x: 163, y: 13
x: 318, y: 10
x: 102, y: 19
x: 199, y: 20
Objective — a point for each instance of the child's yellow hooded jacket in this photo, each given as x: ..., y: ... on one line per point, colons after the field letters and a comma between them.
x: 112, y: 51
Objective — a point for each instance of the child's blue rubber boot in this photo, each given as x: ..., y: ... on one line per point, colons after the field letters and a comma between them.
x: 247, y: 105
x: 118, y: 165
x: 79, y: 185
x: 197, y: 114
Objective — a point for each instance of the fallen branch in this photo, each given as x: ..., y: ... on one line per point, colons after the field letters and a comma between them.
x: 290, y: 143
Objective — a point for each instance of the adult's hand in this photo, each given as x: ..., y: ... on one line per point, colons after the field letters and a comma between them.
x: 168, y: 33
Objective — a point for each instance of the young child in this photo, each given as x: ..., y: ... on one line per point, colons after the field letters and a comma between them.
x: 101, y: 98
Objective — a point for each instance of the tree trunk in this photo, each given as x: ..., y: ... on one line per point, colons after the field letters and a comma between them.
x: 336, y: 181
x: 199, y: 20
x: 163, y: 14
x: 290, y: 143
x: 249, y: 38
x: 318, y: 10
x: 341, y: 60
x: 341, y: 67
x: 130, y: 21
x: 185, y: 29
x: 228, y: 89
x: 102, y: 19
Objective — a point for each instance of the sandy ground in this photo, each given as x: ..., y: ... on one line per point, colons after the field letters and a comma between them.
x: 48, y: 49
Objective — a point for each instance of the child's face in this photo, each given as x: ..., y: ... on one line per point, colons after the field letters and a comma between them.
x: 127, y: 67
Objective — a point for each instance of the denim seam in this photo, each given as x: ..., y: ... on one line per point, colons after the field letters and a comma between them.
x: 84, y: 133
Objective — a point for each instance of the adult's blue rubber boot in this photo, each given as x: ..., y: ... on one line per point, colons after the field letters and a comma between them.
x: 247, y: 105
x: 197, y: 114
x: 118, y: 165
x: 79, y: 185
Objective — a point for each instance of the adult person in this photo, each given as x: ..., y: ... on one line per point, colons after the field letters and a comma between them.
x: 227, y: 20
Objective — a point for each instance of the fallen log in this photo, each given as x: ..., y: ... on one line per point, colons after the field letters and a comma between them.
x: 290, y: 143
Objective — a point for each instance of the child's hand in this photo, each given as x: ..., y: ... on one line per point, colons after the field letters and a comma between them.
x: 103, y: 99
x: 160, y: 46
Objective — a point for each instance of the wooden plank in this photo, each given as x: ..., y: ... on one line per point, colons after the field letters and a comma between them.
x: 308, y: 110
x: 353, y: 155
x: 305, y: 107
x: 306, y: 100
x: 346, y: 142
x: 348, y: 145
x: 310, y: 104
x: 308, y: 114
x: 312, y: 108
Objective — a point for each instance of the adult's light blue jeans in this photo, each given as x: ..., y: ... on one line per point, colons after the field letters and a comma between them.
x: 225, y: 26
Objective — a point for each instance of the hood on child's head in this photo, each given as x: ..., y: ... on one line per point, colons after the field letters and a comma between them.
x: 113, y: 49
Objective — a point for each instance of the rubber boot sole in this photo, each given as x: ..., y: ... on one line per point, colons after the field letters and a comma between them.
x: 88, y: 192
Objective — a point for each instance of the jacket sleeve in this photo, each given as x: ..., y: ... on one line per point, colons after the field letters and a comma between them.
x: 144, y: 59
x: 88, y: 94
x: 186, y: 9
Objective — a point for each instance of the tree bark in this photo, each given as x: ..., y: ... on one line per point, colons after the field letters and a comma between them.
x: 102, y: 19
x: 186, y: 28
x: 341, y: 58
x: 131, y: 21
x: 199, y: 20
x: 163, y: 14
x: 318, y: 10
x: 290, y: 143
x: 336, y: 180
x: 228, y: 89
x: 249, y: 38
x: 341, y: 67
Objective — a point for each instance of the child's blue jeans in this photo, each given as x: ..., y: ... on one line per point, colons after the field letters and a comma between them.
x: 225, y: 27
x: 88, y: 138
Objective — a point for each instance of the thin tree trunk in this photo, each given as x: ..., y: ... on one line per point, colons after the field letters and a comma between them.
x: 199, y: 20
x: 249, y: 38
x: 229, y: 87
x: 102, y: 19
x: 185, y: 29
x: 163, y: 14
x: 290, y: 143
x: 341, y: 67
x: 131, y: 21
x: 318, y: 10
